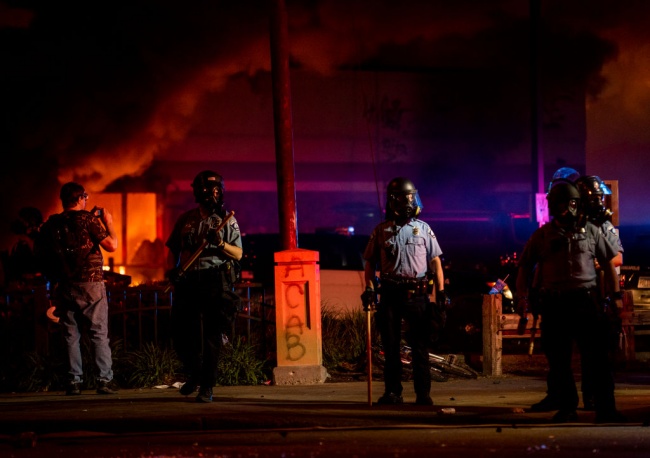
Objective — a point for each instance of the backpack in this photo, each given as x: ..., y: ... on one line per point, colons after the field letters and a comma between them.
x: 57, y: 249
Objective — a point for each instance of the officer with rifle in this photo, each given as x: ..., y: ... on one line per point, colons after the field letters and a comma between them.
x: 204, y: 247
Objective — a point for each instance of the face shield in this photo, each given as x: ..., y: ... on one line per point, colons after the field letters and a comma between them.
x: 404, y: 205
x: 402, y: 199
x: 593, y: 191
x: 564, y: 202
x: 567, y: 212
x: 208, y: 196
x: 208, y: 189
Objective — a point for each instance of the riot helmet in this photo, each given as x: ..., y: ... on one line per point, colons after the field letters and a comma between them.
x: 402, y: 199
x: 592, y: 192
x: 564, y: 173
x: 208, y: 190
x: 564, y: 202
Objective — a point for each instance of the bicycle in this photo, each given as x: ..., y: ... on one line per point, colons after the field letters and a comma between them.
x: 442, y: 369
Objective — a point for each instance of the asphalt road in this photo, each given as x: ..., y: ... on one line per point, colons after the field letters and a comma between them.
x: 575, y: 440
x: 490, y: 418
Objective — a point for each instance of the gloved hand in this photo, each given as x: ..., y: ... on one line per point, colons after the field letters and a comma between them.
x: 522, y: 311
x: 214, y: 238
x: 522, y: 306
x: 369, y: 299
x: 612, y: 308
x: 438, y: 310
x: 174, y: 275
x: 442, y: 300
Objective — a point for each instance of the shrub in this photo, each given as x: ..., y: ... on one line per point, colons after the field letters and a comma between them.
x: 39, y: 373
x: 344, y: 338
x: 150, y: 366
x: 239, y: 364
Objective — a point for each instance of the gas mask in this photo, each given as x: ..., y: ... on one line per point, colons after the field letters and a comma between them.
x: 564, y: 203
x: 208, y: 190
x: 402, y: 200
x: 567, y: 213
x: 593, y: 192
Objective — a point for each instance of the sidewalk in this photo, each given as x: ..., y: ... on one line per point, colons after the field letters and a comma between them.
x: 485, y: 401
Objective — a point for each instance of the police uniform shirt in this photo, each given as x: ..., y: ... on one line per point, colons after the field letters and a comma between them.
x: 609, y: 231
x: 402, y: 251
x: 191, y: 230
x: 565, y: 259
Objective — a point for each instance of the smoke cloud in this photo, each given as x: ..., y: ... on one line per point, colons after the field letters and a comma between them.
x: 92, y: 92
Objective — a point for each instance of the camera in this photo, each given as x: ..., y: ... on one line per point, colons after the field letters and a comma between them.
x: 98, y: 212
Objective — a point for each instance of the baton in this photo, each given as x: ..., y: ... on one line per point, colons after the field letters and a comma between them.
x: 369, y: 351
x: 533, y: 331
x: 188, y: 263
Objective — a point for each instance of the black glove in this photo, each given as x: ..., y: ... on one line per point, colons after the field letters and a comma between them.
x: 213, y: 237
x: 613, y: 313
x: 369, y: 299
x: 442, y: 300
x: 522, y: 310
x: 612, y: 323
x: 438, y: 310
x: 174, y: 275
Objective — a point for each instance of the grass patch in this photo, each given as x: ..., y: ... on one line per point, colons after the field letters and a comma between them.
x: 344, y: 339
x: 239, y: 364
x: 150, y: 366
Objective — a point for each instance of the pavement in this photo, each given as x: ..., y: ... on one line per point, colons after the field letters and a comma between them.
x: 503, y: 400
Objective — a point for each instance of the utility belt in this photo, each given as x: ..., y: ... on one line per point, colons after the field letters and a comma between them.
x: 413, y: 287
x: 581, y: 300
x: 573, y: 293
x: 225, y: 273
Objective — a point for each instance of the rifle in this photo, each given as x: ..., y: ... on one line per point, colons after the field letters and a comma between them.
x: 192, y: 259
x: 369, y: 350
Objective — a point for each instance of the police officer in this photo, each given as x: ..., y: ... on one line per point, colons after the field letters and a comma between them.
x: 203, y: 295
x: 406, y: 252
x: 592, y: 193
x: 560, y: 256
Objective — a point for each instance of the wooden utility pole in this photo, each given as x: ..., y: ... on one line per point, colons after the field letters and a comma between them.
x: 288, y: 217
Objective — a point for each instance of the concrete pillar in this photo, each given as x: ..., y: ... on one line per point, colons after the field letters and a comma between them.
x: 298, y: 318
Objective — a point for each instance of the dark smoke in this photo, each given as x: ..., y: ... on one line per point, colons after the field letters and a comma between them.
x: 92, y: 91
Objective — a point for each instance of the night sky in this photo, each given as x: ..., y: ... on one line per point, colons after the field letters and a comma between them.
x: 93, y: 91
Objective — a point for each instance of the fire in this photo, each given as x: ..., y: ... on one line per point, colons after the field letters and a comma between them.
x: 141, y: 249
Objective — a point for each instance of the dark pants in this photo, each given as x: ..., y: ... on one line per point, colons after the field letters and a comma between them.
x: 201, y: 317
x: 574, y: 317
x: 395, y: 306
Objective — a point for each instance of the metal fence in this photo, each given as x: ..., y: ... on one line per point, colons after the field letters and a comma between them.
x: 137, y: 315
x: 142, y: 314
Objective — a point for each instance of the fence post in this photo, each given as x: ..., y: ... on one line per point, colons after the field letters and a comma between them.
x: 492, y: 339
x: 628, y: 349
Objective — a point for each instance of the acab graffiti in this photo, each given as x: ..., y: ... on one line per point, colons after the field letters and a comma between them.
x: 295, y: 299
